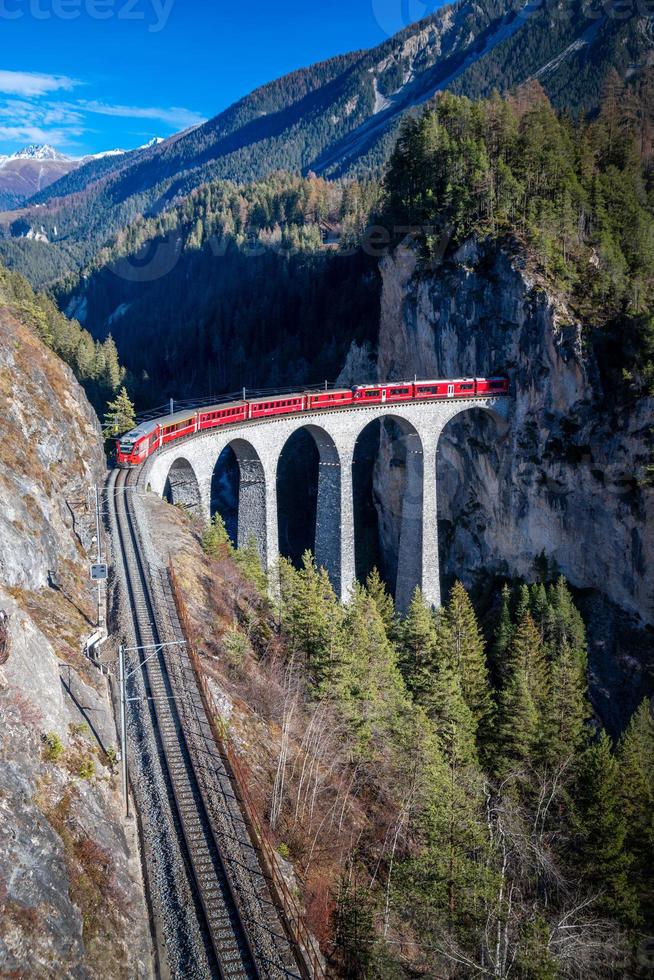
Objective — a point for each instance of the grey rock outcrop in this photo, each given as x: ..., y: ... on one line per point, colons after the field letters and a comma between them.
x: 71, y: 903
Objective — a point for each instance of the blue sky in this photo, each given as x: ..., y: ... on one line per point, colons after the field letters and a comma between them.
x: 91, y: 75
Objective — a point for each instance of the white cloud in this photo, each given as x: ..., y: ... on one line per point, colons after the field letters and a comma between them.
x: 38, y: 122
x: 175, y: 116
x: 33, y: 84
x: 29, y: 113
x: 22, y: 135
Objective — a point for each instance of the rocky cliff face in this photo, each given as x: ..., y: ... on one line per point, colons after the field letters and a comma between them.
x: 70, y: 898
x: 563, y: 479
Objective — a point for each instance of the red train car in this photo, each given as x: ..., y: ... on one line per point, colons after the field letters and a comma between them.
x: 396, y: 391
x: 329, y: 399
x: 178, y: 425
x: 281, y: 405
x: 431, y: 389
x: 134, y: 447
x: 492, y: 386
x: 209, y: 418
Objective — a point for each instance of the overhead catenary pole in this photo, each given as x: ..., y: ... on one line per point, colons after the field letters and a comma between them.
x: 123, y: 727
x: 98, y: 539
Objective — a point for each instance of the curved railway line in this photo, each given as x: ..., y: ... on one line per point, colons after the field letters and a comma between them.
x: 241, y: 930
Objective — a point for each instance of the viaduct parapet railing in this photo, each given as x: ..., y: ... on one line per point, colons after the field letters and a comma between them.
x: 184, y: 471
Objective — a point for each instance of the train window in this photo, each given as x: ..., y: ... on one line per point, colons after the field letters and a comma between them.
x: 399, y: 391
x: 467, y: 387
x: 371, y: 394
x: 433, y: 390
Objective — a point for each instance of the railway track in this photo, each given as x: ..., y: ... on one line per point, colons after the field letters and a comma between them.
x: 243, y: 934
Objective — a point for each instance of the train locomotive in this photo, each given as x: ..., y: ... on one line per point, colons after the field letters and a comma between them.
x: 136, y: 446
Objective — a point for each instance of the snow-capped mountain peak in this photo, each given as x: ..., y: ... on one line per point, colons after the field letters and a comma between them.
x: 153, y: 142
x: 37, y: 151
x: 104, y: 153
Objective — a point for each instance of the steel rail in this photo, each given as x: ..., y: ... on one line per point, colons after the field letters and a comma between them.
x: 234, y: 957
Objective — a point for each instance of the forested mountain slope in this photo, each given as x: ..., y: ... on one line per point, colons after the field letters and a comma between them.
x: 263, y: 284
x: 342, y: 116
x: 94, y: 363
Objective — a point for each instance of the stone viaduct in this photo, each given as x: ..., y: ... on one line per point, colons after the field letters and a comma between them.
x: 186, y: 469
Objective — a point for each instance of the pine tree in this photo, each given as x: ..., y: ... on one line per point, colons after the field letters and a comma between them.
x: 416, y: 646
x: 539, y: 606
x: 215, y: 539
x: 565, y: 624
x: 119, y: 417
x: 377, y: 590
x: 517, y: 727
x: 566, y: 711
x: 451, y: 717
x: 445, y: 877
x: 113, y: 373
x: 366, y: 682
x: 600, y: 854
x: 527, y: 652
x: 503, y: 634
x: 523, y: 603
x: 535, y: 960
x: 468, y: 654
x: 354, y: 927
x: 248, y: 560
x: 636, y: 759
x: 312, y: 618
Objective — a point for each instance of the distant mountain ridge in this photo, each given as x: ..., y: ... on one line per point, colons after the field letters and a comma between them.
x: 341, y: 117
x: 36, y: 167
x: 29, y: 170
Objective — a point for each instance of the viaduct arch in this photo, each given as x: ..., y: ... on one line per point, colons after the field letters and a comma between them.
x: 258, y: 446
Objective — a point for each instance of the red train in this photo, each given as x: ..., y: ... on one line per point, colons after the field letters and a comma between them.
x: 135, y: 446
